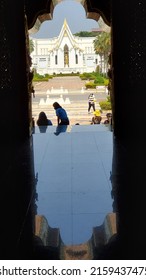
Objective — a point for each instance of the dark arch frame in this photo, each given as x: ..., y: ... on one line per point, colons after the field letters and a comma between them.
x: 128, y: 24
x: 42, y: 10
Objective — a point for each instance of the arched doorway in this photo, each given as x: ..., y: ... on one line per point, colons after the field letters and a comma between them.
x: 66, y: 63
x: 66, y: 56
x: 129, y: 150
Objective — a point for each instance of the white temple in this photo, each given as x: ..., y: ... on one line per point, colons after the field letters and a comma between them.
x: 64, y: 54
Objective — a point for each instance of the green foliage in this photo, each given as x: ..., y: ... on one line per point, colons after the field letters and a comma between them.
x: 109, y: 98
x: 46, y: 77
x: 31, y: 46
x: 83, y: 77
x: 106, y: 104
x: 106, y: 82
x: 102, y: 44
x: 99, y: 79
x: 93, y: 79
x: 96, y: 78
x: 67, y: 74
x: 37, y: 77
x: 90, y: 85
x: 86, y: 76
x: 97, y: 69
x: 102, y: 47
x: 86, y: 34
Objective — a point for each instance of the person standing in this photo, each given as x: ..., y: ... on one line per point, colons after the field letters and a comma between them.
x: 91, y: 102
x: 62, y: 118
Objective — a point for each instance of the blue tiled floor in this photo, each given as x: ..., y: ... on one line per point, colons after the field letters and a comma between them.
x: 74, y: 187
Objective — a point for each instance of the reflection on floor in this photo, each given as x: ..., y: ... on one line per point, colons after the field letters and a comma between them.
x: 74, y: 187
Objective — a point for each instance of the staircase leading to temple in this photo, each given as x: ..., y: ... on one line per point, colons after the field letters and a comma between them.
x: 59, y: 89
x: 67, y: 82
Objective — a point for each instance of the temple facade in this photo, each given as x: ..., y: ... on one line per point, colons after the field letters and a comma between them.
x: 65, y: 54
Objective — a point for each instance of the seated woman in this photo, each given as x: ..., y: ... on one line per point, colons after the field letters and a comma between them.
x: 43, y: 120
x: 109, y: 119
x: 62, y: 118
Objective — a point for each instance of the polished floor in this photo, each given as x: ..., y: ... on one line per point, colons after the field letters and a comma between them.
x: 74, y: 168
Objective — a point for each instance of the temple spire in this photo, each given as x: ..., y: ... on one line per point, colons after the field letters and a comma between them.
x: 65, y: 22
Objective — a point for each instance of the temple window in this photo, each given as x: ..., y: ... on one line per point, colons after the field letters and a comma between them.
x: 56, y: 59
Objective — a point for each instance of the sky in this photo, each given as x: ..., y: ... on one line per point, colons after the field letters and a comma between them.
x: 75, y: 15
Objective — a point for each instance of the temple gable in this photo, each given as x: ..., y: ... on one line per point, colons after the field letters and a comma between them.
x: 64, y: 54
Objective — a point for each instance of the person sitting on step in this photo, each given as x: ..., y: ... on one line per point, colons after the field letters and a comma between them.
x: 97, y: 117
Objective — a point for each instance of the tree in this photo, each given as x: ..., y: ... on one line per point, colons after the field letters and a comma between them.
x: 86, y: 34
x: 102, y: 46
x: 31, y: 46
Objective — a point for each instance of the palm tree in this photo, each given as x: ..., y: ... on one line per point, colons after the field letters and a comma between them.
x: 31, y: 46
x: 102, y: 46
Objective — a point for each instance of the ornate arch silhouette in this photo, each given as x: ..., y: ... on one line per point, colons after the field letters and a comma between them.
x: 42, y: 10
